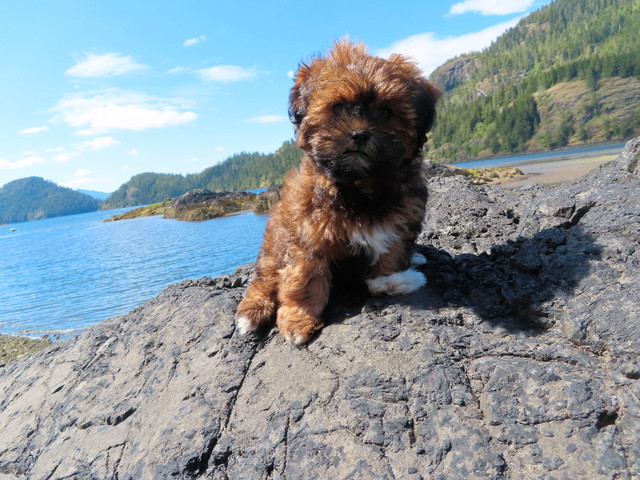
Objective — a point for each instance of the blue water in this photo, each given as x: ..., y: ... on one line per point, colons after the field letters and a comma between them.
x: 535, y: 157
x: 61, y: 275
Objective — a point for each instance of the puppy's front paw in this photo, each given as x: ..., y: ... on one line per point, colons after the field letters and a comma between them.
x: 397, y: 283
x: 245, y: 325
x: 253, y: 313
x: 297, y: 327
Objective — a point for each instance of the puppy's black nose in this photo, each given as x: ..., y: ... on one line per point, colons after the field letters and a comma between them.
x: 360, y: 137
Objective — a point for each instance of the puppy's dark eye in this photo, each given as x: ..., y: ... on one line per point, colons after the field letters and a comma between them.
x: 337, y: 108
x: 386, y: 113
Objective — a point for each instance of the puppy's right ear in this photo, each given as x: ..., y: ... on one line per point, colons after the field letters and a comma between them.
x: 301, y: 93
x: 427, y: 96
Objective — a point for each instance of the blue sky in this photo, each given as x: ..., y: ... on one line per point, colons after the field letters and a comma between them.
x: 92, y: 93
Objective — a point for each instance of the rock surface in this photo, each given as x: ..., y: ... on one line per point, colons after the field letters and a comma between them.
x: 478, y: 176
x: 519, y: 359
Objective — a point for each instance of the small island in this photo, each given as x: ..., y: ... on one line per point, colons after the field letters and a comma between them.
x: 202, y: 204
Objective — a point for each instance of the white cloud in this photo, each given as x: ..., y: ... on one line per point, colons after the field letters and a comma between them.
x: 24, y: 162
x: 82, y: 173
x: 63, y: 157
x: 430, y: 52
x: 225, y: 73
x: 81, y: 180
x: 491, y: 7
x: 56, y: 149
x: 291, y: 74
x: 177, y: 70
x: 109, y: 64
x: 33, y: 130
x: 108, y: 110
x: 268, y: 119
x: 133, y: 151
x: 100, y: 142
x: 193, y: 41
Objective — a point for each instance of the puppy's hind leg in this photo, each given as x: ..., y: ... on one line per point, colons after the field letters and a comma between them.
x: 259, y: 305
x: 393, y: 273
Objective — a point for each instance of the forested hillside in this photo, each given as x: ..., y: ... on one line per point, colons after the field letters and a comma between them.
x: 567, y: 74
x: 33, y: 198
x: 243, y: 171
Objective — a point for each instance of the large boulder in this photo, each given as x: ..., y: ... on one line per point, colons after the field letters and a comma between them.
x: 519, y: 359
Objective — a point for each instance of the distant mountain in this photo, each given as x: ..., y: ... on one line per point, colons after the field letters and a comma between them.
x: 567, y: 74
x: 34, y: 198
x: 94, y: 193
x: 243, y: 171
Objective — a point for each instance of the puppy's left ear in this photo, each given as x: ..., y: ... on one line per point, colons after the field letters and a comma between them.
x: 300, y: 92
x: 427, y: 95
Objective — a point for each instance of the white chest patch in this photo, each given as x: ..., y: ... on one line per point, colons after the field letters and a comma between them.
x: 376, y: 241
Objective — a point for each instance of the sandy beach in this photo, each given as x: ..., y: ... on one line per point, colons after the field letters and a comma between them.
x: 549, y: 172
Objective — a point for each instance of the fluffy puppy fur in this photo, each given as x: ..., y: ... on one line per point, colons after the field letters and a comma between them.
x: 359, y: 191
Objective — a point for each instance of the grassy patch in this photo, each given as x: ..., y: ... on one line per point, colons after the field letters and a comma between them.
x: 14, y: 347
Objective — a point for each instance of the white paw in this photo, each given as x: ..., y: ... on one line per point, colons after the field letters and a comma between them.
x: 244, y: 325
x: 418, y: 259
x: 398, y: 283
x: 296, y: 339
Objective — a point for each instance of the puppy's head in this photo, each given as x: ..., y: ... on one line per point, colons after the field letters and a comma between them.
x: 357, y: 115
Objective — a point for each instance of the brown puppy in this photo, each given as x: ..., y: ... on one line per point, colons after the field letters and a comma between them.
x: 362, y: 122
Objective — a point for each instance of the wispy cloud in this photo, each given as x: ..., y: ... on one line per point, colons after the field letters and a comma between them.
x: 64, y: 157
x: 225, y: 73
x: 109, y: 64
x: 109, y: 110
x: 194, y: 41
x: 430, y: 51
x: 268, y: 119
x: 491, y: 7
x: 33, y: 130
x: 22, y: 163
x: 100, y: 142
x: 177, y: 70
x: 81, y: 178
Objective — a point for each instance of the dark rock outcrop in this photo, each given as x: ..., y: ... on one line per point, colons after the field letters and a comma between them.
x: 195, y: 197
x: 519, y: 359
x: 452, y: 74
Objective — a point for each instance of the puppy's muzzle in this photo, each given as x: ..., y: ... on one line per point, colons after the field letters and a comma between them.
x: 360, y: 137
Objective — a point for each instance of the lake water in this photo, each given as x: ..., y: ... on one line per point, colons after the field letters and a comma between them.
x: 61, y: 275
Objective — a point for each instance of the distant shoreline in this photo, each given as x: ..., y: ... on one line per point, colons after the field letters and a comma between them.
x: 574, y: 151
x: 553, y: 172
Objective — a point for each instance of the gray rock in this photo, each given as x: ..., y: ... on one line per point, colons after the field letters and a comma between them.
x: 518, y: 360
